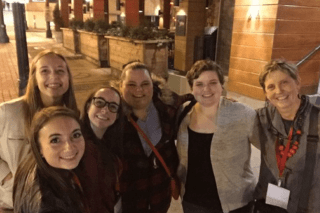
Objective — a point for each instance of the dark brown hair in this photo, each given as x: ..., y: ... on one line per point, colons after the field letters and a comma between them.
x: 85, y: 117
x: 201, y: 66
x: 135, y: 65
x: 56, y: 180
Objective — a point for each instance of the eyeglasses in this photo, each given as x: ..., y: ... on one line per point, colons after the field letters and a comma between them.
x: 100, y: 103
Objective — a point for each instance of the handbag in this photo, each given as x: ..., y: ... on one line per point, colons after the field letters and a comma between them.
x: 175, y: 183
x: 259, y: 206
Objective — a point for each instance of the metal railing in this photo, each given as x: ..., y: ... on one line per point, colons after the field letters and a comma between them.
x: 308, y: 56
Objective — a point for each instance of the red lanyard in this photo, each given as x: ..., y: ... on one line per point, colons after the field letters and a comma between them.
x: 282, y: 155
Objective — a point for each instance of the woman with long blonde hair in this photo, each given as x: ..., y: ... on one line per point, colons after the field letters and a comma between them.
x: 50, y: 83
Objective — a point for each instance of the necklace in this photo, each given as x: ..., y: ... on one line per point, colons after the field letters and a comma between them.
x: 285, y: 152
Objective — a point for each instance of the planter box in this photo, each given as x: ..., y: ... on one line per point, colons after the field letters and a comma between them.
x: 58, y: 36
x: 95, y: 47
x: 71, y: 39
x: 154, y: 53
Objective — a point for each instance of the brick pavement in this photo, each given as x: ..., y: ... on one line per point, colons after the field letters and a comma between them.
x: 8, y: 72
x: 86, y: 75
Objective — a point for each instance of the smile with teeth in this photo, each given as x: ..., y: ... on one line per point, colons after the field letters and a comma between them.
x: 70, y: 157
x: 207, y: 96
x: 282, y: 98
x: 53, y: 85
x: 102, y: 117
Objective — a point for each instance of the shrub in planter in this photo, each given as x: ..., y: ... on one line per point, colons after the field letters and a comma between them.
x: 141, y: 33
x: 57, y: 19
x: 118, y: 30
x: 145, y: 32
x: 101, y: 26
x: 89, y: 25
x: 76, y: 24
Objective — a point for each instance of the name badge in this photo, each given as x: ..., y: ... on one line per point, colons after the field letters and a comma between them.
x: 277, y: 196
x: 118, y: 206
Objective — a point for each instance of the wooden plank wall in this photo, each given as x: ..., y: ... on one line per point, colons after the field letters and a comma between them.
x: 252, y: 43
x: 297, y: 33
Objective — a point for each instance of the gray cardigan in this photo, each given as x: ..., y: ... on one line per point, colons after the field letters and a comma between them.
x: 270, y: 119
x: 230, y: 154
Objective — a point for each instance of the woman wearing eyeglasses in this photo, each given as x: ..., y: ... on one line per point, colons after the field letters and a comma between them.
x: 101, y: 111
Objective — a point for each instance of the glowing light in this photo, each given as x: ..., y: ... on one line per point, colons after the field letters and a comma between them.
x: 254, y: 9
x: 160, y: 22
x: 181, y: 13
x: 156, y: 11
x: 122, y: 14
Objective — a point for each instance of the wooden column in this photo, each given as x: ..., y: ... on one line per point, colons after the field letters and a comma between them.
x: 166, y: 14
x: 78, y: 9
x: 64, y: 10
x: 133, y: 16
x: 275, y: 29
x: 195, y: 22
x: 99, y: 9
x: 224, y: 23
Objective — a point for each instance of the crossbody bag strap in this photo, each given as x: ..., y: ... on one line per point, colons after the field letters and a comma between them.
x: 311, y: 154
x: 155, y: 151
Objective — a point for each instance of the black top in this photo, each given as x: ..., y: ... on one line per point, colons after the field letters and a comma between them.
x: 287, y: 125
x: 201, y: 188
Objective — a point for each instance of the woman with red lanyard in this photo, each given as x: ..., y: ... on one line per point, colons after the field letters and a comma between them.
x: 288, y: 136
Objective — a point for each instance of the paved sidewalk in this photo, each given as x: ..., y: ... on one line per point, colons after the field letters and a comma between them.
x: 86, y: 75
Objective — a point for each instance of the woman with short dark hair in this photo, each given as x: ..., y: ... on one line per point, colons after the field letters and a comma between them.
x: 289, y: 134
x: 214, y: 146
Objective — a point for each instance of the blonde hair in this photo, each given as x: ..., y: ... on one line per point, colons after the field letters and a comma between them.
x: 278, y: 65
x: 32, y: 98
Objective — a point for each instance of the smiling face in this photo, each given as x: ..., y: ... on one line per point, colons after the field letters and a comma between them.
x: 102, y: 118
x: 52, y: 78
x: 282, y: 90
x: 61, y: 142
x: 137, y: 88
x: 207, y: 89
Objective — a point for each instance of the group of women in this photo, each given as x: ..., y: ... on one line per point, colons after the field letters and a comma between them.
x: 53, y: 160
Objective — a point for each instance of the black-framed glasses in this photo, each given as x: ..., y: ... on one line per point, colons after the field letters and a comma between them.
x: 100, y: 103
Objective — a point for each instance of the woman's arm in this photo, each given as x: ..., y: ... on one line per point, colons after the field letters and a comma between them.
x: 5, y: 173
x: 254, y: 133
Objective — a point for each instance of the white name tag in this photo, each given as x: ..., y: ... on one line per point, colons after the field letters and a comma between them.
x: 118, y: 206
x: 277, y: 196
